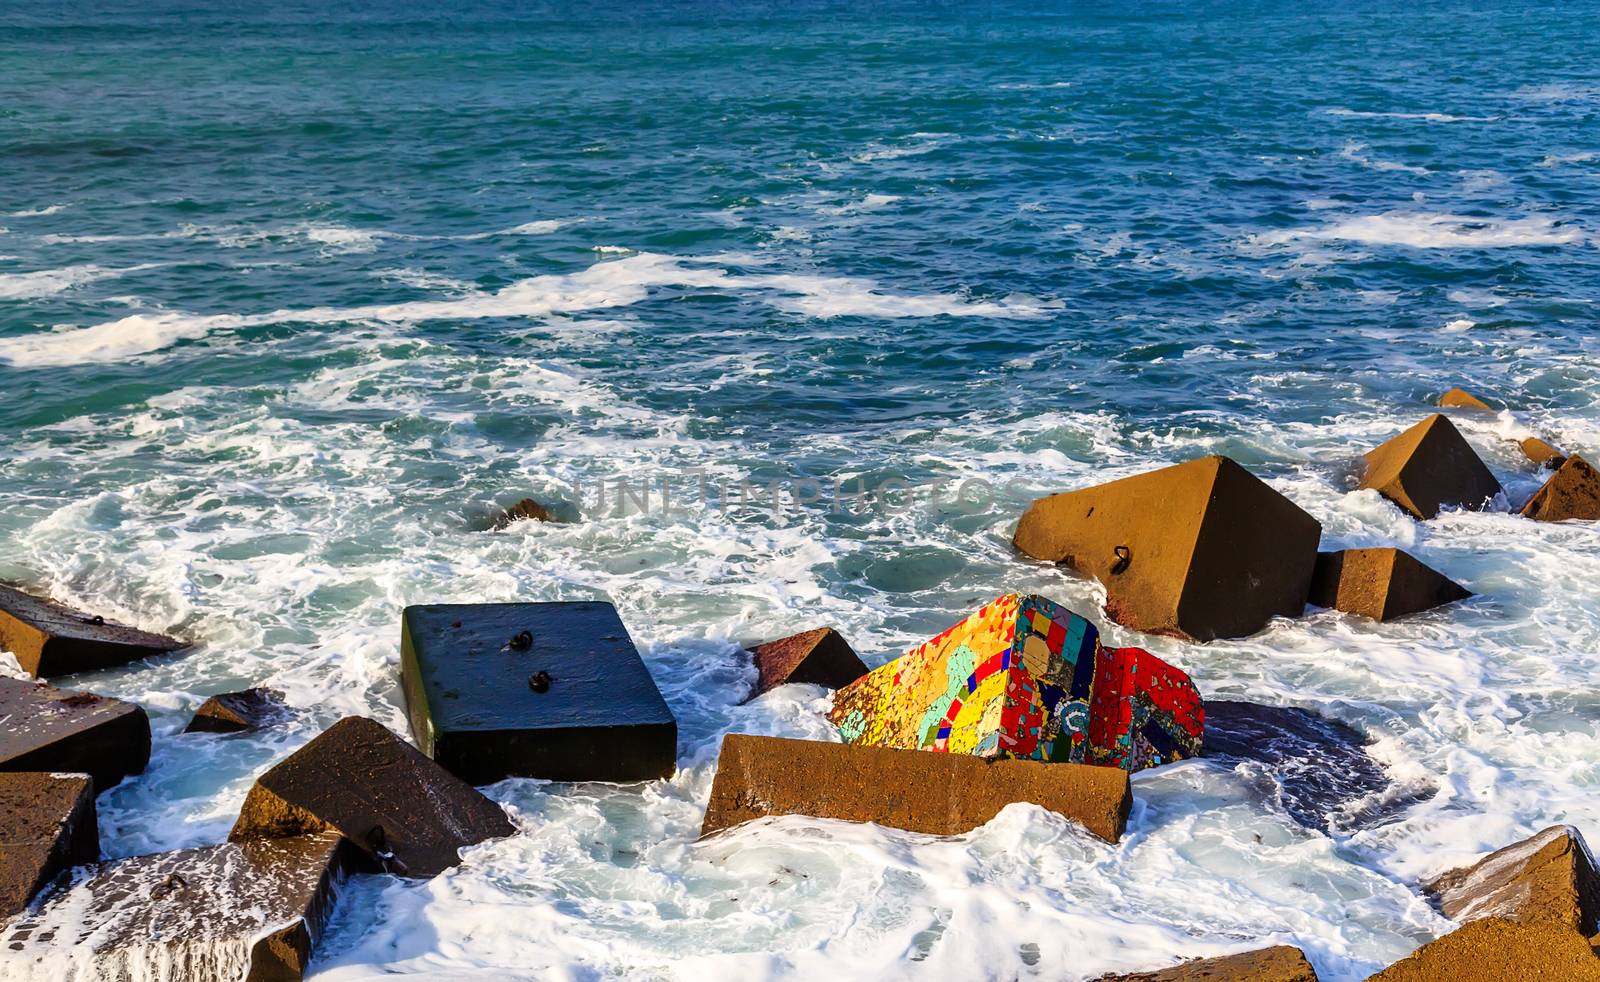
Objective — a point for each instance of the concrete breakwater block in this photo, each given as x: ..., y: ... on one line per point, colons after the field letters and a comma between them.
x: 1380, y: 583
x: 547, y: 690
x: 50, y: 729
x: 250, y: 911
x: 940, y: 794
x: 1498, y: 950
x: 1200, y: 550
x: 50, y: 639
x: 1542, y: 453
x: 401, y: 812
x: 1280, y: 964
x: 1462, y: 399
x: 47, y: 823
x: 1429, y: 467
x: 819, y: 657
x: 233, y: 712
x: 1550, y: 876
x: 1024, y: 677
x: 1572, y: 492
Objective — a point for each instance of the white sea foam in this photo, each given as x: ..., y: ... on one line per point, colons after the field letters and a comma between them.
x: 604, y: 285
x: 47, y: 282
x: 1353, y: 152
x: 1425, y: 230
x: 1424, y: 117
x: 1556, y: 160
x: 35, y: 212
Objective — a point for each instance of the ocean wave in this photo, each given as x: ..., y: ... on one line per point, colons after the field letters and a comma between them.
x: 35, y: 212
x: 1423, y: 117
x: 1422, y: 230
x: 1352, y: 152
x: 48, y: 282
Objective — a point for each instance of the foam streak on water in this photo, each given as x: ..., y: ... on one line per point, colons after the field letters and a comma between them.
x: 316, y: 288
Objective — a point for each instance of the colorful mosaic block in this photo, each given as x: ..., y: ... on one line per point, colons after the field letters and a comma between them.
x: 1024, y: 677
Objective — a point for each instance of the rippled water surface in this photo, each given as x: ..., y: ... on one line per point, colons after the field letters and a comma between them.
x: 291, y: 294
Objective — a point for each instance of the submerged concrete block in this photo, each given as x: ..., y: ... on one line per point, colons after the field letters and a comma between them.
x: 940, y: 794
x: 819, y: 657
x: 400, y: 811
x: 1280, y: 964
x: 1380, y: 583
x: 1201, y: 550
x: 250, y: 911
x: 1429, y: 467
x: 1550, y: 876
x: 548, y: 690
x: 50, y: 639
x: 47, y: 823
x: 526, y: 510
x: 1498, y: 950
x: 1024, y: 677
x: 1462, y: 399
x: 232, y: 712
x: 1542, y: 453
x: 50, y: 729
x: 1571, y: 493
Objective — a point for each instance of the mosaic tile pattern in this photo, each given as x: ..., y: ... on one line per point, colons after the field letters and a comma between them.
x: 1025, y: 677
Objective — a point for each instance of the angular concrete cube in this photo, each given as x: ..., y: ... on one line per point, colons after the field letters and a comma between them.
x: 1380, y: 583
x: 401, y: 812
x: 50, y: 729
x: 1550, y: 876
x: 1200, y: 550
x: 547, y: 690
x: 1571, y: 494
x: 234, y: 712
x: 250, y: 911
x: 940, y: 794
x: 1542, y: 453
x: 819, y: 657
x: 1429, y: 467
x: 50, y: 639
x: 1496, y: 949
x: 47, y: 823
x: 1280, y: 964
x: 1462, y: 399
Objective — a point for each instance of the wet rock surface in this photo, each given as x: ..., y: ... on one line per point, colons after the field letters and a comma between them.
x: 547, y: 690
x: 248, y: 911
x: 1279, y: 964
x: 234, y: 712
x: 50, y: 639
x: 819, y: 657
x: 401, y: 812
x: 916, y: 790
x: 1380, y: 583
x: 1429, y: 467
x: 51, y: 729
x: 47, y: 823
x: 1571, y: 493
x: 1200, y: 550
x: 1318, y: 767
x: 1550, y: 876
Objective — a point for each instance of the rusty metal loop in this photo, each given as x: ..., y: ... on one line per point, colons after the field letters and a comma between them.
x: 1124, y: 559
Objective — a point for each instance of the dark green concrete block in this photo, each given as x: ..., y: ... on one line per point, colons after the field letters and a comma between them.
x: 548, y: 690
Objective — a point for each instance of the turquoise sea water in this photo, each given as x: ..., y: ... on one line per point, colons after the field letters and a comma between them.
x: 290, y: 294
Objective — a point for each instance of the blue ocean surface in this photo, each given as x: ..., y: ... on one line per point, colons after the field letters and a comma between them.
x: 293, y: 294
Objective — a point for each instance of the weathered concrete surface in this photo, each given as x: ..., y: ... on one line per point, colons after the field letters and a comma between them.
x: 1497, y: 950
x: 1542, y: 453
x: 50, y: 639
x: 1548, y: 877
x: 400, y: 811
x: 1280, y: 964
x: 1462, y: 399
x: 819, y: 657
x: 50, y: 729
x: 917, y: 790
x: 1572, y: 492
x: 248, y: 911
x: 47, y: 823
x: 232, y: 712
x: 1429, y: 467
x: 1201, y: 550
x: 1317, y: 769
x: 1380, y: 583
x: 549, y: 690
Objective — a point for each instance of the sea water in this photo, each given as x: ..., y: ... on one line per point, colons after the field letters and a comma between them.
x: 292, y: 294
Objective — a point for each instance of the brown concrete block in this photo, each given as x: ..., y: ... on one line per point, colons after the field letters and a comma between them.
x: 1548, y: 877
x: 401, y: 811
x: 1462, y: 399
x: 1428, y: 467
x: 47, y: 823
x: 50, y: 639
x: 1497, y: 950
x: 916, y: 790
x: 1542, y: 453
x: 1200, y: 550
x: 1380, y: 583
x: 249, y: 911
x: 524, y: 511
x: 1573, y: 492
x: 231, y: 712
x: 50, y: 729
x: 1280, y: 964
x: 819, y: 657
